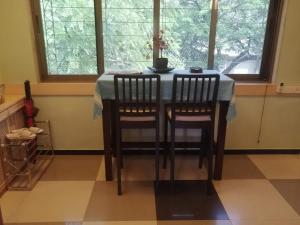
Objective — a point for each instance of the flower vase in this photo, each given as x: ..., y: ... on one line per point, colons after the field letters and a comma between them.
x: 161, y: 63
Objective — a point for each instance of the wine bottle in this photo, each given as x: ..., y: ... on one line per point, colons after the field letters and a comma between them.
x: 28, y: 106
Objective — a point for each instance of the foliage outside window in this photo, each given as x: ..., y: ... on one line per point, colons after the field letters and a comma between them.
x: 127, y: 26
x: 69, y: 34
x: 187, y: 23
x: 87, y: 37
x: 240, y: 36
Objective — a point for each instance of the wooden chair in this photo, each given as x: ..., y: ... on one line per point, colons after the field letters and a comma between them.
x: 193, y: 106
x: 137, y: 99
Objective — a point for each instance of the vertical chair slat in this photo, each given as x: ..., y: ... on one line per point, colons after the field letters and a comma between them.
x: 208, y: 89
x: 150, y: 92
x: 202, y: 90
x: 130, y: 93
x: 195, y: 94
x: 116, y: 89
x: 174, y: 97
x: 157, y: 93
x: 216, y: 88
x: 208, y: 94
x: 144, y: 93
x: 188, y: 90
x: 123, y: 89
x: 137, y: 93
x: 181, y: 92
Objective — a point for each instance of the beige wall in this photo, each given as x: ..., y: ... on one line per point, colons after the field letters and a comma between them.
x: 17, y: 47
x: 1, y: 79
x: 280, y: 124
x: 71, y: 121
x: 71, y: 117
x: 288, y: 68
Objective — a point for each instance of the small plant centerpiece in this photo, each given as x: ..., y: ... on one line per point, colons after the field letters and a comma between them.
x: 161, y: 62
x: 162, y: 44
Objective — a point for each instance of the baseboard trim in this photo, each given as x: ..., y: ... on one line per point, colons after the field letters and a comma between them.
x: 262, y: 151
x: 78, y: 152
x: 151, y: 151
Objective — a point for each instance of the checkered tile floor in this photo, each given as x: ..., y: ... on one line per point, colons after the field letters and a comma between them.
x: 255, y: 190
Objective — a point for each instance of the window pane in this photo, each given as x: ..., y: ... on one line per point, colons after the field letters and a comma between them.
x: 127, y: 28
x: 69, y: 33
x: 240, y: 35
x: 186, y: 25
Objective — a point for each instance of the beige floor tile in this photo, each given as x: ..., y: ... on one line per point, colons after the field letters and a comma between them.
x: 141, y: 167
x: 121, y: 223
x: 194, y: 222
x: 82, y: 167
x: 53, y: 201
x: 266, y: 222
x: 278, y: 166
x: 136, y: 168
x: 253, y: 199
x: 136, y: 204
x: 11, y: 201
x: 246, y: 168
x: 101, y: 172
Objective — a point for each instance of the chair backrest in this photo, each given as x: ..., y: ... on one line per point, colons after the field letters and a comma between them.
x: 137, y: 94
x: 195, y: 94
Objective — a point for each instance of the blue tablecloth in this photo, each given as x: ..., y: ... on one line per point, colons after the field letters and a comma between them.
x: 105, y: 89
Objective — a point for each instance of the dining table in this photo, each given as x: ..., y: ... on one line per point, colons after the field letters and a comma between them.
x: 104, y: 106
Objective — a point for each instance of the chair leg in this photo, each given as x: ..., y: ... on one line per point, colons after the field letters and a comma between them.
x: 172, y: 150
x: 201, y: 154
x: 210, y: 161
x: 118, y: 153
x: 165, y: 141
x: 121, y: 152
x: 157, y: 142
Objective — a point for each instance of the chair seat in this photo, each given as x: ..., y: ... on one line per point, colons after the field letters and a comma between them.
x: 137, y: 118
x: 189, y: 118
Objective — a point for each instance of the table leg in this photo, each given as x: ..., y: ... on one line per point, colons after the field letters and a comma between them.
x: 222, y: 125
x: 107, y: 139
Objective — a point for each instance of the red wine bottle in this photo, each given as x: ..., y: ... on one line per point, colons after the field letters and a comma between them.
x: 28, y: 106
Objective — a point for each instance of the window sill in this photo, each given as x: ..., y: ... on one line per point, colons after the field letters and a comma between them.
x: 255, y: 89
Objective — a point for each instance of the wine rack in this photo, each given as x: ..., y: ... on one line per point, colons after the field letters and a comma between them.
x: 25, y: 161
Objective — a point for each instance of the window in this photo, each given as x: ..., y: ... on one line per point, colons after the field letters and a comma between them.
x: 69, y: 36
x: 80, y: 39
x: 240, y: 36
x: 127, y: 27
x: 186, y: 25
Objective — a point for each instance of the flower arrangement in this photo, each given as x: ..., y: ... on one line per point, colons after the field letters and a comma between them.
x: 163, y: 44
